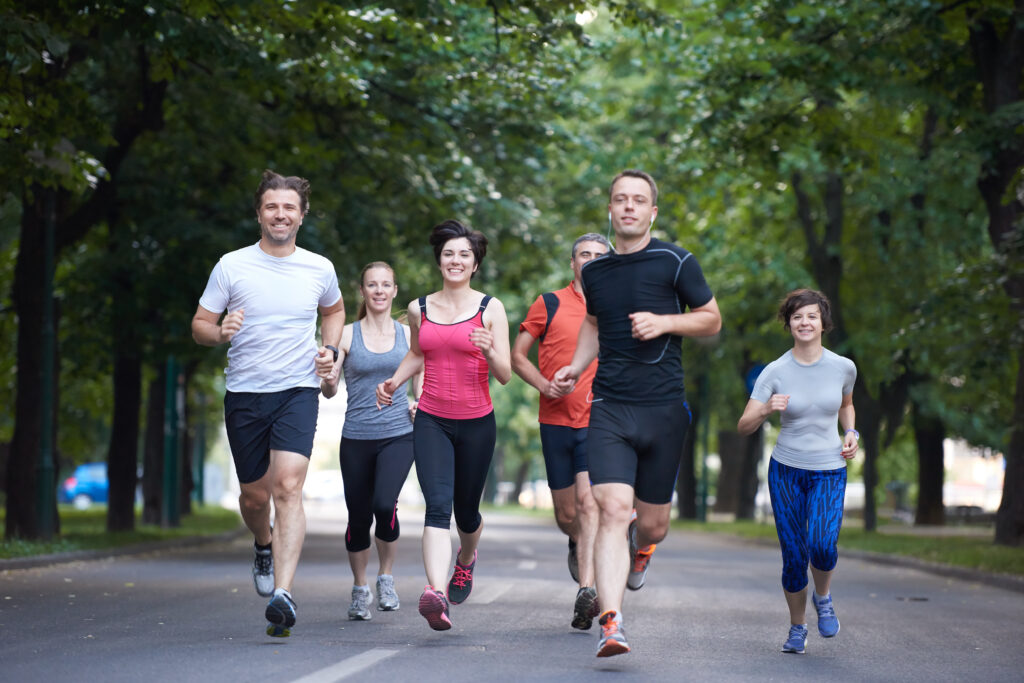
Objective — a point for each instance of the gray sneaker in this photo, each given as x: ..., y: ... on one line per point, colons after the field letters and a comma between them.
x: 387, y: 598
x: 359, y: 610
x: 263, y: 571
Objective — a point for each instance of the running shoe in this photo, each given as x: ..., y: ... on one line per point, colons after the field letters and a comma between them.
x: 387, y: 597
x: 434, y: 608
x: 613, y: 638
x: 574, y: 563
x: 281, y: 614
x: 263, y: 570
x: 828, y: 622
x: 461, y: 582
x: 585, y: 609
x: 639, y: 559
x: 359, y: 610
x: 797, y: 639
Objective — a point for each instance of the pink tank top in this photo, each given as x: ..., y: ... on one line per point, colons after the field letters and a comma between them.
x: 454, y: 371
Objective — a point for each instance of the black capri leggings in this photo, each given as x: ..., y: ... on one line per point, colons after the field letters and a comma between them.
x: 452, y: 459
x: 373, y: 471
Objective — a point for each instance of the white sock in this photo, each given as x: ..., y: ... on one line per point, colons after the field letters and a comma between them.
x: 364, y: 589
x: 281, y: 591
x: 821, y: 597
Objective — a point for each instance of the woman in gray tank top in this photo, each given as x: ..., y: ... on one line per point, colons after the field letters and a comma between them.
x: 812, y: 390
x: 376, y: 445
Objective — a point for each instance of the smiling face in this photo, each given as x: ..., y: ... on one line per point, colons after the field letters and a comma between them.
x: 631, y: 207
x: 457, y: 261
x: 805, y: 324
x: 586, y: 251
x: 378, y: 289
x: 280, y: 216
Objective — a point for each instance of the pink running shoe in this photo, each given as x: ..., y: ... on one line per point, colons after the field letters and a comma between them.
x: 434, y: 608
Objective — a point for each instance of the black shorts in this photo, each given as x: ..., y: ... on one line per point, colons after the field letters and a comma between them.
x: 258, y: 423
x: 637, y: 445
x: 565, y: 454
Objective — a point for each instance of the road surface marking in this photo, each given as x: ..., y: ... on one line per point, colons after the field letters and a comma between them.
x: 347, y: 667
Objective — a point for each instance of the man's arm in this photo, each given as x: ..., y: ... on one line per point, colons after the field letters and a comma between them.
x: 587, y: 347
x: 704, y: 321
x: 207, y: 329
x: 332, y: 324
x: 526, y: 369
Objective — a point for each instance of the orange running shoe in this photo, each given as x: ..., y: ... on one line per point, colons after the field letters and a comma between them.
x: 613, y: 638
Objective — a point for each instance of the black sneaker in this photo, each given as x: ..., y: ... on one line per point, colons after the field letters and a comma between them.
x: 585, y: 609
x: 281, y: 614
x: 461, y: 582
x: 263, y: 570
x: 574, y: 563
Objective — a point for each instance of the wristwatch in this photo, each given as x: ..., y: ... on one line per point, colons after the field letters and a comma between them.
x: 334, y: 349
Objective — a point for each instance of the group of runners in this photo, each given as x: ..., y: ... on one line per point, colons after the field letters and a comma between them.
x: 613, y: 410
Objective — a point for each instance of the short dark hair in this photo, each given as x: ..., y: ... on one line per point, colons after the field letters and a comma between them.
x: 451, y: 229
x: 799, y: 298
x: 634, y: 173
x: 276, y: 181
x: 590, y: 237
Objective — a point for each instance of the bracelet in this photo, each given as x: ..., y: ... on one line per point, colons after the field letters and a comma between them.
x: 856, y: 434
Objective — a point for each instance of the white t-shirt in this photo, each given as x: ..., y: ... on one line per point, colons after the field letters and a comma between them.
x: 276, y: 347
x: 809, y: 438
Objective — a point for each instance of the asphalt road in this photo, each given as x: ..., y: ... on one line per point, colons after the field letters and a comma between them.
x: 712, y: 609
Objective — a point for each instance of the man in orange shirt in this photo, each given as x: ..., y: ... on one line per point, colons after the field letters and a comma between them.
x: 554, y: 319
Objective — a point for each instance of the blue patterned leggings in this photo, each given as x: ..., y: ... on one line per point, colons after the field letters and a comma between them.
x: 808, y: 508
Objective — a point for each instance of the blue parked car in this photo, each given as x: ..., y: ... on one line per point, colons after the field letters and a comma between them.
x: 86, y: 486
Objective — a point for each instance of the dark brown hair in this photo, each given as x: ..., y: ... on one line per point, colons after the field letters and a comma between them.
x: 451, y: 229
x: 634, y: 173
x: 361, y: 313
x: 276, y: 181
x: 799, y: 298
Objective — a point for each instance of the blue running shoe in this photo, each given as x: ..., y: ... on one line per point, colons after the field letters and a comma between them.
x: 797, y: 640
x: 828, y: 622
x: 281, y: 614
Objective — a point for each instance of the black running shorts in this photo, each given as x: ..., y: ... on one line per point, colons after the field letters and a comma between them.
x: 638, y: 445
x: 258, y: 423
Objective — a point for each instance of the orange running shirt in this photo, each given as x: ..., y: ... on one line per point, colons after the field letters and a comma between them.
x: 555, y: 352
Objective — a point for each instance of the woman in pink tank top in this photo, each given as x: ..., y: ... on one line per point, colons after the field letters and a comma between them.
x: 458, y: 337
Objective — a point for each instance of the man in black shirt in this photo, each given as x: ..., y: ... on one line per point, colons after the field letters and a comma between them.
x: 637, y: 301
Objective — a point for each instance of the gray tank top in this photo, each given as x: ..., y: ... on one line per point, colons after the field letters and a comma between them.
x: 364, y: 370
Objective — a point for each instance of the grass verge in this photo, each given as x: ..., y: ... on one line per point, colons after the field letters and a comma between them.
x: 87, y: 530
x: 969, y: 551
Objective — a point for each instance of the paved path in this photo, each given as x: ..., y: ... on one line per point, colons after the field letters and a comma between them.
x: 712, y: 610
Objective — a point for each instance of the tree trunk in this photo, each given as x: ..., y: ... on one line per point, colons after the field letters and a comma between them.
x: 730, y: 453
x: 1010, y: 517
x: 122, y: 455
x: 22, y: 516
x: 929, y: 433
x: 686, y: 481
x: 869, y: 426
x: 153, y: 457
x: 998, y: 53
x: 746, y: 498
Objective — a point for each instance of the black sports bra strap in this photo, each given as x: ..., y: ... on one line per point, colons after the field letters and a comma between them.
x: 423, y: 306
x: 483, y: 302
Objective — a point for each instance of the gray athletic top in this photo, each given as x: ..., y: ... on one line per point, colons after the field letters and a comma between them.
x: 364, y: 370
x: 809, y: 438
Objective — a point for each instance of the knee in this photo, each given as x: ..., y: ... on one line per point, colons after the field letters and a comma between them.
x: 565, y: 515
x: 654, y: 531
x: 254, y: 500
x: 288, y: 490
x: 586, y: 506
x: 614, y: 511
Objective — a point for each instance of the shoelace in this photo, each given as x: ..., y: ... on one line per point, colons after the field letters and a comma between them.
x: 263, y: 561
x: 643, y: 556
x: 797, y: 632
x: 462, y: 575
x: 825, y: 609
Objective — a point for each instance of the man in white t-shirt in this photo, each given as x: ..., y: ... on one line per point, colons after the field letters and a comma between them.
x: 271, y: 292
